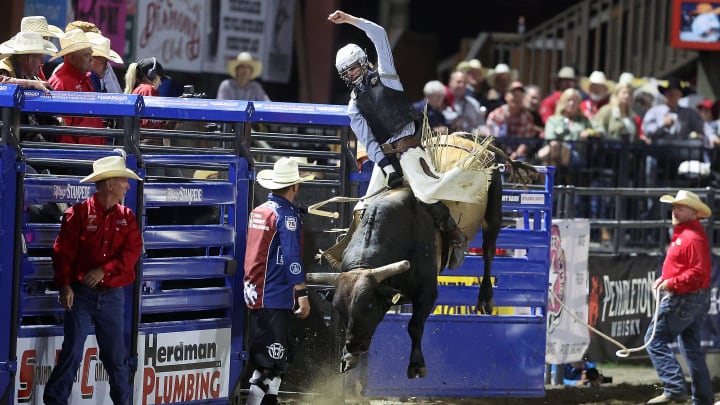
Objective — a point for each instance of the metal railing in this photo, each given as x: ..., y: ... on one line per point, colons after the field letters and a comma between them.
x: 609, y: 35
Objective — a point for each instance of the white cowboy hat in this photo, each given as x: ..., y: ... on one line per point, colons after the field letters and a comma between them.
x: 596, y: 77
x: 109, y: 167
x: 38, y: 23
x: 284, y: 173
x: 501, y: 68
x: 566, y: 72
x: 73, y: 41
x: 28, y: 43
x: 472, y: 64
x: 101, y: 47
x: 245, y: 58
x: 688, y: 199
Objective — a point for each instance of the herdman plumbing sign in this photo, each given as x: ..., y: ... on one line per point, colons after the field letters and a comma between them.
x: 183, y: 366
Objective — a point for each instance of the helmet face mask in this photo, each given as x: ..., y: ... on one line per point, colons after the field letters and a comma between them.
x: 348, y: 57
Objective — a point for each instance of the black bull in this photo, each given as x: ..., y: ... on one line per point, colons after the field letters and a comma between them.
x: 397, y: 229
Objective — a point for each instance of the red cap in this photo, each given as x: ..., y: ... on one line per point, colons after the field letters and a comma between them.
x: 705, y: 104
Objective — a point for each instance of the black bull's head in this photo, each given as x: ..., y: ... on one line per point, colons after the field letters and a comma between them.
x: 361, y: 301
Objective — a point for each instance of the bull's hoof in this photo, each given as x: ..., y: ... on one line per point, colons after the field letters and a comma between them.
x: 417, y: 372
x: 349, y: 362
x: 485, y: 307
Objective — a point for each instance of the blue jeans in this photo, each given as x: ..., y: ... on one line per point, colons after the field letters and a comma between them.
x: 106, y: 310
x: 681, y: 316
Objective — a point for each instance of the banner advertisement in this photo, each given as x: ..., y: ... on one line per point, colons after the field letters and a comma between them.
x: 183, y: 366
x: 36, y: 359
x: 109, y: 16
x: 277, y: 60
x: 262, y: 27
x: 172, y: 32
x: 241, y: 28
x: 622, y: 303
x: 568, y: 339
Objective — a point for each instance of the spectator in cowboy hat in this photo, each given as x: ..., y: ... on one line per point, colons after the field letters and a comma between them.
x: 39, y: 24
x: 565, y: 79
x: 244, y: 69
x: 499, y: 80
x: 74, y: 75
x: 102, y: 55
x: 25, y: 54
x: 110, y: 81
x: 598, y: 88
x: 475, y: 74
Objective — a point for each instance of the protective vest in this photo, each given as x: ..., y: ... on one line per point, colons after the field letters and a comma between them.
x: 386, y: 110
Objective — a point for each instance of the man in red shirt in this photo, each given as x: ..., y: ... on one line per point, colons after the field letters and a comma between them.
x: 94, y: 258
x: 564, y: 80
x: 685, y: 281
x: 74, y: 75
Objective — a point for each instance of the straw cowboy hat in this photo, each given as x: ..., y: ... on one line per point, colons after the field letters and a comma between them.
x: 27, y: 43
x: 109, y: 167
x: 284, y: 173
x: 205, y: 174
x: 73, y: 41
x: 38, y: 23
x: 245, y: 58
x: 101, y: 47
x: 501, y: 68
x: 472, y: 64
x: 596, y: 77
x: 688, y: 199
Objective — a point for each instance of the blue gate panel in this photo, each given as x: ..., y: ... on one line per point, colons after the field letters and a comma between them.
x: 198, y: 109
x: 185, y: 267
x: 464, y: 357
x: 83, y: 103
x: 37, y: 268
x: 197, y: 298
x: 40, y: 235
x: 184, y: 236
x: 11, y: 95
x: 213, y: 193
x: 293, y: 113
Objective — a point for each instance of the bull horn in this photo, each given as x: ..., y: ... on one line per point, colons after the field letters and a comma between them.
x: 321, y: 278
x: 381, y: 273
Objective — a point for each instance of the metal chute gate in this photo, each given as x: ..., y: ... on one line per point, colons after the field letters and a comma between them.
x: 185, y: 313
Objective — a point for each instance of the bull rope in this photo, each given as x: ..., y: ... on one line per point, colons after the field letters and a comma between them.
x: 624, y: 351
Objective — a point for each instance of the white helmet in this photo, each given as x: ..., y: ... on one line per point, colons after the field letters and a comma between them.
x: 347, y: 57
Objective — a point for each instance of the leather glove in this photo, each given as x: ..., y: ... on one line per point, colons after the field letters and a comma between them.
x: 394, y: 180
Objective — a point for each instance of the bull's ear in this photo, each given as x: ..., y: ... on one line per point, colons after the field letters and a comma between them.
x: 389, y: 294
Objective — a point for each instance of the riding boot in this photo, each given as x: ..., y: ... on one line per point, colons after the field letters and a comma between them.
x: 446, y: 223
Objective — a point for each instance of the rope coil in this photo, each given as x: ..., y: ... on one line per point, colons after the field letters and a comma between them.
x: 624, y: 351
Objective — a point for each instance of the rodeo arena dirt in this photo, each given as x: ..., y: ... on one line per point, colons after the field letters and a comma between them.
x: 633, y: 383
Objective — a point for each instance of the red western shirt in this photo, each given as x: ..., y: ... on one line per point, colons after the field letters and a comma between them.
x: 91, y: 236
x: 67, y: 78
x: 687, y: 263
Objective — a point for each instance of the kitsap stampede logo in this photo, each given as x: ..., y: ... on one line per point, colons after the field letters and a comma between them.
x: 184, y: 194
x: 180, y: 372
x: 558, y: 278
x: 71, y: 192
